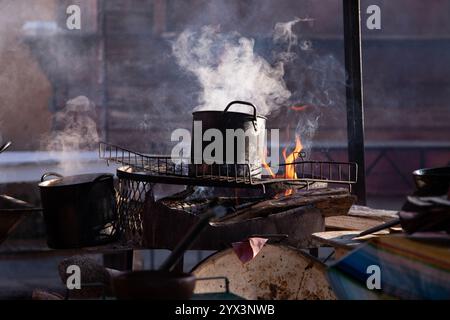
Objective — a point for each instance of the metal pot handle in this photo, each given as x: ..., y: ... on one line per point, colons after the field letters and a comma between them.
x: 242, y: 102
x: 50, y: 174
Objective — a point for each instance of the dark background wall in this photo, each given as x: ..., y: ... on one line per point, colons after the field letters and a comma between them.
x: 121, y: 59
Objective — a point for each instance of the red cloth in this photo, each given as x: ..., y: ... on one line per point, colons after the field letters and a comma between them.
x: 248, y: 249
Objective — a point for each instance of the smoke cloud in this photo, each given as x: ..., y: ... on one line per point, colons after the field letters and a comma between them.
x: 227, y: 68
x: 75, y: 130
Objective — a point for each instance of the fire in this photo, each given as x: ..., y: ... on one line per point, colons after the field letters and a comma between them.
x: 290, y: 168
x: 269, y: 169
x: 290, y: 172
x: 266, y: 165
x: 299, y: 108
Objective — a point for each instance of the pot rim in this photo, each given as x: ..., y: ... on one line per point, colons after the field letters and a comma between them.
x: 53, y: 183
x: 441, y: 172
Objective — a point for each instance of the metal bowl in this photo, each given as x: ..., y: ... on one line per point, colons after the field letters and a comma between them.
x: 153, y: 285
x: 432, y: 181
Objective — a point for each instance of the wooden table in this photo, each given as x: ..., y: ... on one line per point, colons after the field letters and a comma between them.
x: 342, y: 231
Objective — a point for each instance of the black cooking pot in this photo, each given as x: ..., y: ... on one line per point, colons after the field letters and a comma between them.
x: 79, y: 211
x: 432, y: 181
x: 252, y: 124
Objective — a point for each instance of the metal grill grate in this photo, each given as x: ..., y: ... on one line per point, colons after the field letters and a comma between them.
x: 163, y: 169
x: 158, y: 165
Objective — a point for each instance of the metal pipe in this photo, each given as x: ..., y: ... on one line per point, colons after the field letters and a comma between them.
x: 354, y: 92
x: 104, y: 72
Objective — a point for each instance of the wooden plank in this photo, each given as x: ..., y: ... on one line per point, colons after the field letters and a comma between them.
x: 370, y: 213
x: 349, y: 223
x: 341, y: 239
x: 360, y: 218
x: 330, y: 202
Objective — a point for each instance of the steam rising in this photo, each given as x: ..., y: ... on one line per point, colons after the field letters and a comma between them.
x: 283, y: 33
x: 75, y: 130
x: 228, y: 69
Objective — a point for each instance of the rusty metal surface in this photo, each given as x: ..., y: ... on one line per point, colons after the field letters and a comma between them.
x: 164, y: 227
x: 166, y: 221
x: 277, y: 273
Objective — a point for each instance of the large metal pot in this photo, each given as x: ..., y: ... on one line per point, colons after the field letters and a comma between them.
x: 78, y: 210
x: 245, y: 155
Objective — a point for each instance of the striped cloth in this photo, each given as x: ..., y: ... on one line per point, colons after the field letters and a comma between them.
x: 409, y: 269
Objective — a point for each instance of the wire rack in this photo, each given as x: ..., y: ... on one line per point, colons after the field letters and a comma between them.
x: 140, y: 172
x: 165, y: 169
x: 131, y: 199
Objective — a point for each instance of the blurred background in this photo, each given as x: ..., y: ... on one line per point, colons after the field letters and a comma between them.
x: 122, y: 61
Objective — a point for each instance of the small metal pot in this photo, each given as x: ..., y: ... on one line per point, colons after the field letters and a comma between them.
x: 252, y: 124
x: 79, y: 210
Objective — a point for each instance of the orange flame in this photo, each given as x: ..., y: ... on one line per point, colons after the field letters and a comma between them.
x: 290, y: 168
x: 299, y: 108
x: 288, y: 159
x: 290, y: 172
x: 269, y: 169
x: 266, y: 165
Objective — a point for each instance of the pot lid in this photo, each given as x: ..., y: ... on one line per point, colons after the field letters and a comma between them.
x: 74, y: 180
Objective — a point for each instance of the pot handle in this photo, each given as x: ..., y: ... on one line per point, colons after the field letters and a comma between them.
x: 242, y: 102
x: 50, y: 174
